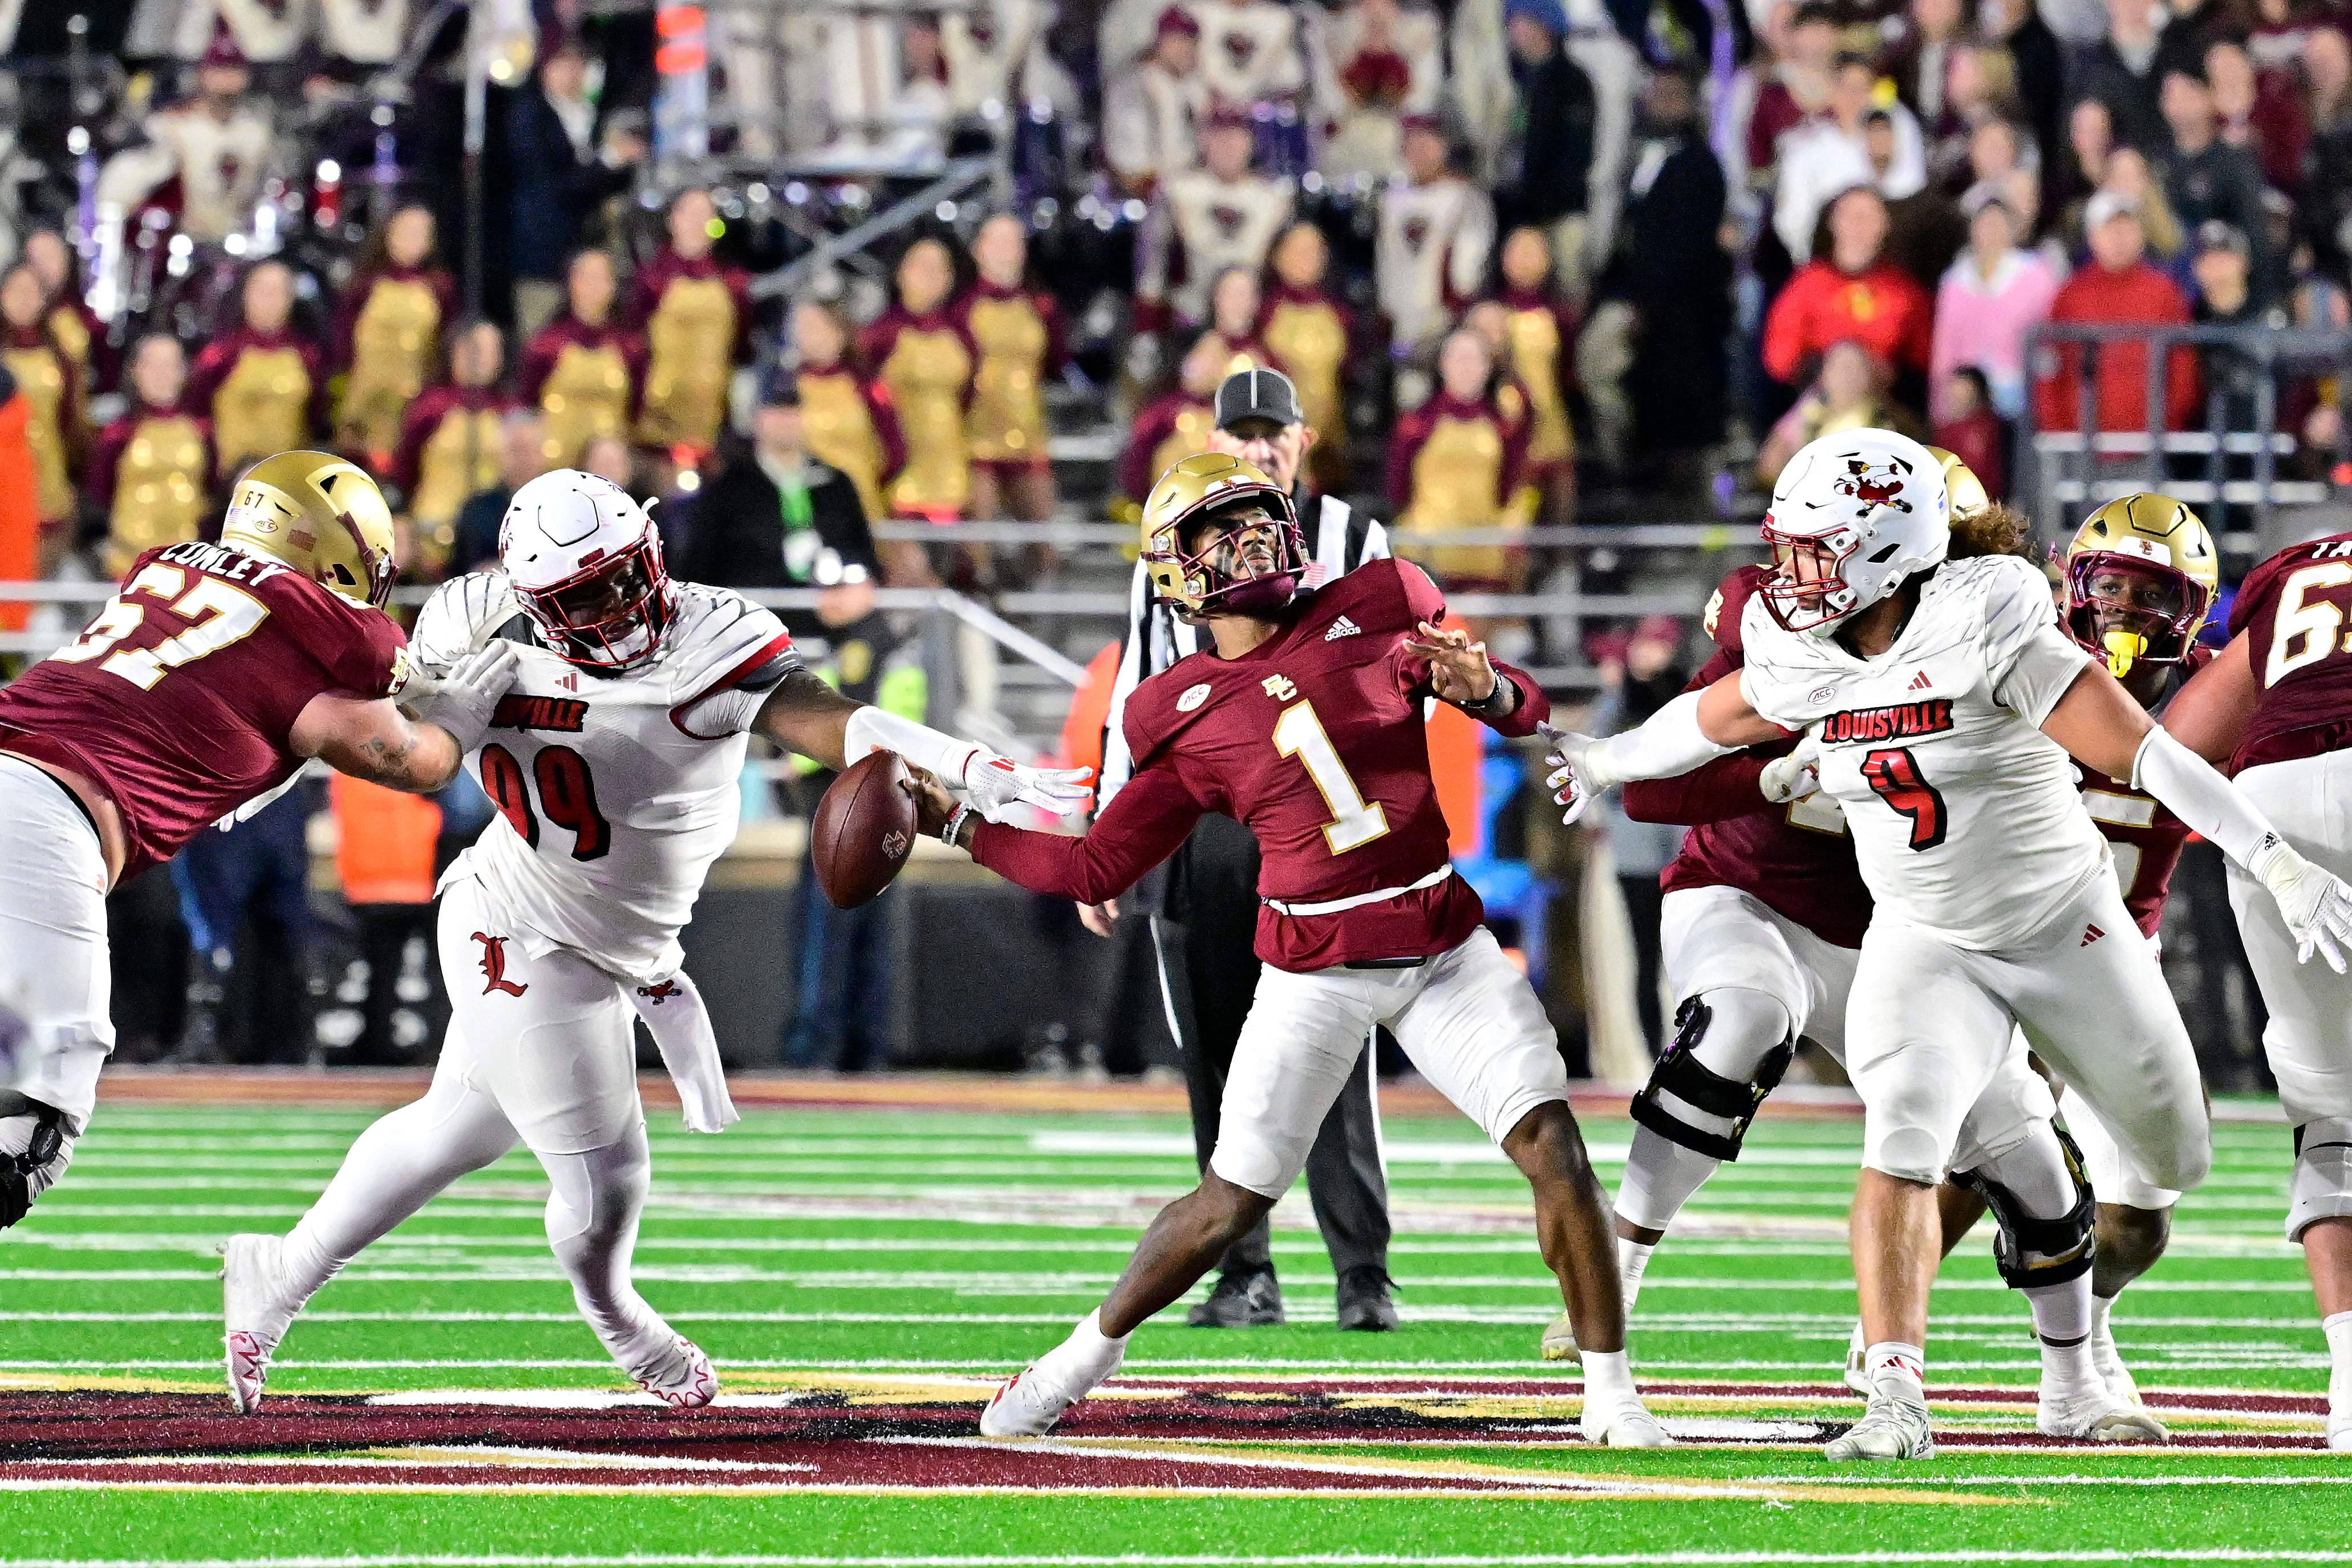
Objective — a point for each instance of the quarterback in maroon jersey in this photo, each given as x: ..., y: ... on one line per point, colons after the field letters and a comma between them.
x: 196, y: 694
x: 2277, y: 704
x: 1305, y: 723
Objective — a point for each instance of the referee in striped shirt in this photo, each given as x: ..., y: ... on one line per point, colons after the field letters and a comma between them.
x: 1205, y: 929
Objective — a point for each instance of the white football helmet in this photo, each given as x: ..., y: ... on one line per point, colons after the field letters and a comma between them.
x: 586, y: 565
x: 1853, y: 515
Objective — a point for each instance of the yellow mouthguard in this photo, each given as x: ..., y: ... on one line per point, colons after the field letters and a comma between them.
x: 2124, y: 649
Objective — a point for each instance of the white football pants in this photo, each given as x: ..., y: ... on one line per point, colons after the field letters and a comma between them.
x: 54, y: 972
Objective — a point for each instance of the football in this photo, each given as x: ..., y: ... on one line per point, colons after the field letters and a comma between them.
x: 863, y: 829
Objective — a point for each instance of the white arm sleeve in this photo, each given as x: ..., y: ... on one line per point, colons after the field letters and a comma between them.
x: 1670, y: 744
x: 871, y: 729
x: 2193, y: 791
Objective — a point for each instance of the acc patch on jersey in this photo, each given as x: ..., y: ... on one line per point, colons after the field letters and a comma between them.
x: 1193, y: 699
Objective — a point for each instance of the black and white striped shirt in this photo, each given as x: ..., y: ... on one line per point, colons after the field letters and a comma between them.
x: 1339, y: 540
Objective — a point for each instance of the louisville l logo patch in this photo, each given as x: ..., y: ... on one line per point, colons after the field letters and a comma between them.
x: 494, y: 965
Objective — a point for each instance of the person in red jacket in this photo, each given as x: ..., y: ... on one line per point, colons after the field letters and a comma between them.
x: 1854, y: 292
x: 2119, y: 286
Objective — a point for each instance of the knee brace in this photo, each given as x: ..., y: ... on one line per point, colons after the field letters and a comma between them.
x: 2322, y: 1187
x: 2032, y: 1252
x: 1680, y: 1074
x: 35, y: 1147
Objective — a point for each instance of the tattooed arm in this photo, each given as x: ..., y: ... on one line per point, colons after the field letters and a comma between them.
x: 374, y: 741
x: 803, y: 714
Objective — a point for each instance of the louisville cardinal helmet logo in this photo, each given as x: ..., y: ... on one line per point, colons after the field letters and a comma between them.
x: 1873, y: 486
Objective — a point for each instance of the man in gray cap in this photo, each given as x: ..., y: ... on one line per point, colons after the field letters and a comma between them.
x: 1204, y: 929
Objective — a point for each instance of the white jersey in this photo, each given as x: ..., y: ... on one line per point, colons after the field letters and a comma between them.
x: 1966, y: 818
x: 614, y: 794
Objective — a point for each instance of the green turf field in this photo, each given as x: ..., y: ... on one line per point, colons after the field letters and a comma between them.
x: 859, y: 1275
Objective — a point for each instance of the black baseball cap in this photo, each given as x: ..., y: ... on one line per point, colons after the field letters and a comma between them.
x: 1257, y: 393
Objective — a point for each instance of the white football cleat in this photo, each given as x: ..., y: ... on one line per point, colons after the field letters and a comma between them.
x: 680, y: 1377
x: 2339, y: 1431
x: 1894, y: 1425
x: 2095, y: 1415
x: 1622, y: 1422
x: 254, y: 1315
x: 1857, y: 1377
x: 2109, y: 1362
x: 1560, y: 1340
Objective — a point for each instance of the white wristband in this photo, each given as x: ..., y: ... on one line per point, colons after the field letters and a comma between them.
x: 872, y: 729
x: 1669, y: 745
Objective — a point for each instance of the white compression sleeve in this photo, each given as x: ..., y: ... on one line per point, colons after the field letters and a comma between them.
x: 872, y: 729
x: 1670, y: 744
x: 2193, y: 791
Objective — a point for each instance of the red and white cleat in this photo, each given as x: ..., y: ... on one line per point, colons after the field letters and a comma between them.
x: 682, y: 1378
x: 253, y: 1315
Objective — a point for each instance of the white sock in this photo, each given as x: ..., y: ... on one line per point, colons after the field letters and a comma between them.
x: 1633, y: 1258
x: 2062, y: 1319
x: 1088, y: 1356
x: 2338, y: 1330
x: 1608, y: 1378
x: 1906, y: 1364
x: 1660, y: 1177
x: 2103, y: 1336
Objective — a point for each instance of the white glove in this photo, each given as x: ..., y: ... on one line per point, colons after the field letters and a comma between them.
x: 1794, y: 777
x: 993, y: 784
x: 462, y: 701
x: 2315, y: 902
x: 1576, y: 779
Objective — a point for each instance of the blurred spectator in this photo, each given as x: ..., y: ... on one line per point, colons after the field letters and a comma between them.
x: 694, y: 318
x: 2327, y: 183
x: 1308, y: 331
x: 2120, y: 71
x: 2119, y: 286
x: 2264, y: 116
x: 522, y: 458
x: 2282, y: 28
x: 773, y: 511
x: 1206, y: 219
x: 1994, y: 294
x: 450, y: 446
x: 1970, y: 429
x: 2128, y: 177
x: 2223, y: 272
x: 841, y: 1008
x: 884, y: 89
x: 383, y: 858
x: 1649, y: 677
x: 1538, y: 347
x: 217, y: 145
x: 1924, y: 229
x: 583, y: 372
x: 1373, y: 62
x: 850, y: 425
x: 1459, y: 461
x: 151, y: 473
x: 997, y: 58
x: 1174, y: 425
x: 73, y: 326
x: 1249, y: 51
x: 1921, y: 59
x: 2206, y: 180
x: 263, y: 389
x: 387, y: 330
x: 2189, y: 27
x: 1154, y: 109
x: 1849, y: 394
x: 1651, y: 357
x: 561, y: 177
x: 2037, y: 65
x: 1436, y: 231
x: 1854, y: 292
x: 46, y: 379
x: 1832, y: 155
x: 1546, y: 164
x: 1018, y: 331
x: 2090, y: 144
x: 925, y: 362
x: 1235, y: 301
x: 611, y: 457
x: 1799, y: 86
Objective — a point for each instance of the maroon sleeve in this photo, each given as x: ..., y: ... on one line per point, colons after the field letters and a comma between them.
x: 1514, y: 470
x: 105, y: 457
x: 345, y: 328
x: 875, y: 343
x: 637, y: 357
x: 1404, y: 445
x: 1057, y: 337
x: 211, y: 368
x: 315, y: 363
x: 739, y: 289
x: 1150, y: 428
x: 645, y: 292
x: 538, y: 360
x: 1141, y: 826
x: 417, y: 422
x: 1533, y: 709
x: 365, y: 653
x: 885, y: 414
x: 972, y: 359
x: 1716, y: 791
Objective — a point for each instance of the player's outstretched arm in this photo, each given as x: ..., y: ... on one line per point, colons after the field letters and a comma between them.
x: 1141, y: 827
x: 2208, y: 715
x: 1695, y: 729
x: 417, y: 738
x: 808, y: 717
x: 2100, y: 724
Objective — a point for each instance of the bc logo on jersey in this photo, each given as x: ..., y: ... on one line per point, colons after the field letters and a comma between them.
x: 494, y: 965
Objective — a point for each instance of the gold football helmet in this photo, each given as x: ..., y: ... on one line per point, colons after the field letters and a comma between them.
x: 1194, y: 490
x: 2141, y: 574
x: 1960, y: 483
x: 320, y: 514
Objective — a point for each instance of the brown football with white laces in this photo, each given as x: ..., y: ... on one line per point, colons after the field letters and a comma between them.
x: 863, y: 829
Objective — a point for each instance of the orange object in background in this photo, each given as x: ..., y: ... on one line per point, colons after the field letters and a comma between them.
x: 1456, y: 745
x: 20, y: 518
x: 1082, y: 732
x: 385, y: 842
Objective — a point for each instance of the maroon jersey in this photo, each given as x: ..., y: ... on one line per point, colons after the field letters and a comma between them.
x: 177, y: 700
x: 2292, y: 610
x: 1315, y: 740
x: 1796, y: 859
